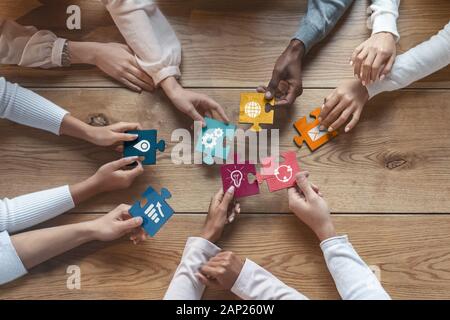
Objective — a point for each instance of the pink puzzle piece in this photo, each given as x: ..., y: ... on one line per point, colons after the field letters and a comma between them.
x: 279, y: 175
x: 236, y: 175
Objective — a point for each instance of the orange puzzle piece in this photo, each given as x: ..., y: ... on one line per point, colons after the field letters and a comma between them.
x: 252, y: 109
x: 310, y: 132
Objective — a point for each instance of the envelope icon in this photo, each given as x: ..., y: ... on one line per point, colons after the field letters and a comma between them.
x: 315, y: 133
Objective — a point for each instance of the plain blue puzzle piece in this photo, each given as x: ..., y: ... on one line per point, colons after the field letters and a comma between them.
x: 145, y: 145
x: 210, y: 142
x: 155, y: 212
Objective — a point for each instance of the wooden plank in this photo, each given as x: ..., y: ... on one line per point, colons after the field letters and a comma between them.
x: 411, y: 252
x: 228, y: 44
x: 396, y: 160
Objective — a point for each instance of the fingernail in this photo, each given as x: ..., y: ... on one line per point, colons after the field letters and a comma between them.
x: 231, y: 218
x: 132, y: 158
x: 138, y: 220
x: 351, y: 62
x: 319, y: 119
x: 322, y: 127
x: 347, y: 129
x: 231, y: 190
x: 382, y: 77
x: 330, y: 129
x: 363, y: 83
x: 135, y: 136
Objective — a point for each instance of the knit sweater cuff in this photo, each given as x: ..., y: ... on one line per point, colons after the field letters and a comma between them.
x: 29, y: 108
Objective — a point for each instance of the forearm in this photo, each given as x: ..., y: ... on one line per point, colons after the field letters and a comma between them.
x: 185, y: 285
x: 35, y: 247
x: 353, y: 278
x: 256, y: 283
x: 320, y: 18
x: 82, y: 52
x: 85, y: 190
x: 150, y: 36
x: 416, y: 63
x: 73, y: 127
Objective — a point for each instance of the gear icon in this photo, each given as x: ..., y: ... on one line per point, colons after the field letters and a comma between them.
x: 209, y: 140
x: 218, y: 132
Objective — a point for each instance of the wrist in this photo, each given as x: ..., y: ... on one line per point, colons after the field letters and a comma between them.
x: 170, y: 86
x: 76, y: 128
x: 210, y: 235
x: 326, y: 231
x: 297, y: 48
x: 84, y: 190
x: 87, y: 231
x: 82, y: 52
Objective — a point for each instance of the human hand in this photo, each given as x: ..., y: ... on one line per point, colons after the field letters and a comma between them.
x: 221, y: 271
x: 116, y: 224
x: 113, y: 135
x: 222, y: 210
x: 286, y: 83
x: 373, y: 59
x: 309, y: 206
x: 111, y: 176
x: 195, y: 105
x: 348, y: 99
x: 115, y: 59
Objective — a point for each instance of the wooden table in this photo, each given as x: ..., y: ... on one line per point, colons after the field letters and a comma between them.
x: 387, y: 182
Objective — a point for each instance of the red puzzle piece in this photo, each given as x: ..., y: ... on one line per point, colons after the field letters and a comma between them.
x: 279, y: 175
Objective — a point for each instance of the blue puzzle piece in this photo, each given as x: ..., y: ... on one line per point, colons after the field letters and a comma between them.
x: 155, y: 212
x: 145, y: 145
x: 211, y: 141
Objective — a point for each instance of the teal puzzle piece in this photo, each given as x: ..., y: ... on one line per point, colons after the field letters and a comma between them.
x: 211, y: 140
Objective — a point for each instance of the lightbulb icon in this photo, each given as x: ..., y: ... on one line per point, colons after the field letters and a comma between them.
x: 236, y: 176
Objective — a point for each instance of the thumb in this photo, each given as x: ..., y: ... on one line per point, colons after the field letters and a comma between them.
x: 130, y: 224
x: 227, y: 197
x: 126, y: 137
x: 273, y: 85
x: 304, y: 185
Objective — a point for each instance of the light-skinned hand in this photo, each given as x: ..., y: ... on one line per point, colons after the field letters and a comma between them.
x: 373, y: 59
x: 221, y: 271
x: 310, y: 207
x: 222, y: 210
x: 342, y: 104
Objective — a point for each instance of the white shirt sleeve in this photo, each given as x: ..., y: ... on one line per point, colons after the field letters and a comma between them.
x: 11, y: 267
x: 383, y: 17
x: 353, y: 278
x: 185, y: 284
x: 26, y: 107
x: 30, y: 209
x: 149, y: 34
x: 256, y: 283
x: 416, y: 63
x: 29, y: 47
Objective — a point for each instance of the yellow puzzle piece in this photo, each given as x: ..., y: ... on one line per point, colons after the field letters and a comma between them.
x: 252, y: 109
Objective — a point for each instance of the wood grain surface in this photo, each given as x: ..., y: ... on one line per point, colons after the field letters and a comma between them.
x: 396, y: 160
x: 411, y: 252
x: 228, y: 44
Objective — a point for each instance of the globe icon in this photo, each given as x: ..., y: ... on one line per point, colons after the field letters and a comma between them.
x: 252, y: 109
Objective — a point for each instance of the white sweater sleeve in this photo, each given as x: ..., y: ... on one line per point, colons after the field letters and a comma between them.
x: 353, y: 278
x: 30, y: 209
x: 185, y: 284
x: 26, y: 107
x: 11, y: 267
x: 256, y: 283
x: 416, y: 63
x: 383, y: 17
x: 29, y: 47
x: 149, y: 34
